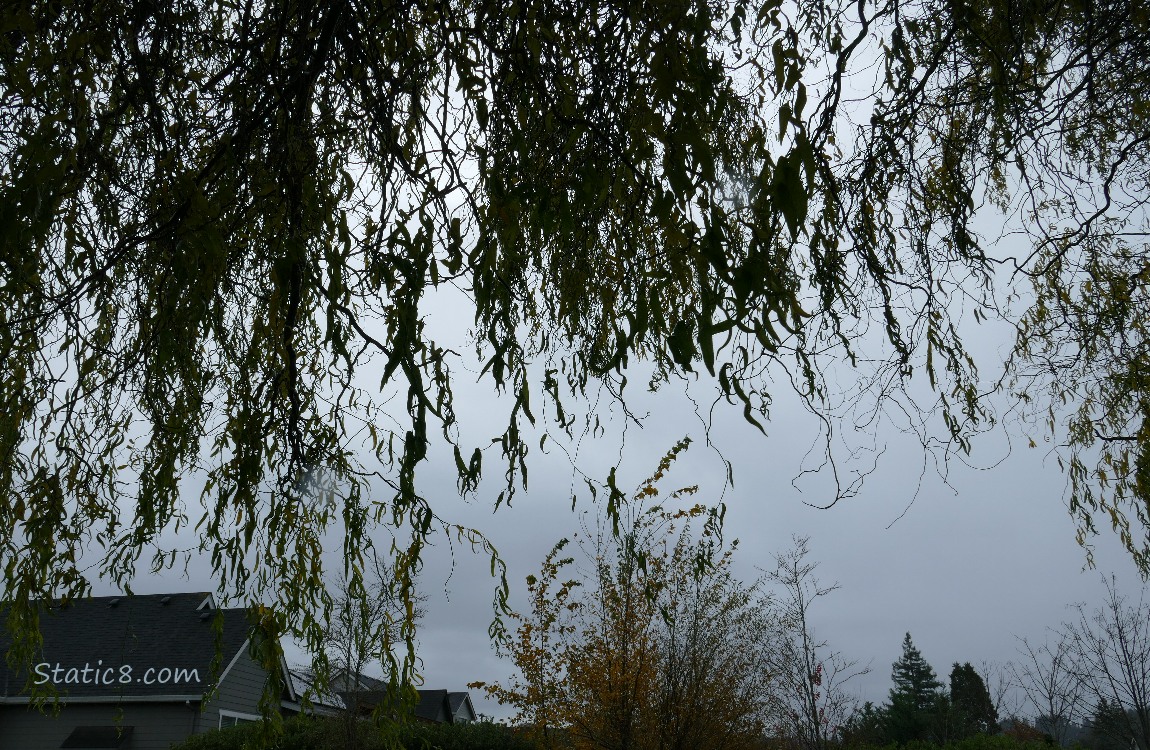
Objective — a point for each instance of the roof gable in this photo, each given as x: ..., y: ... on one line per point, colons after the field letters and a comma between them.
x: 112, y: 647
x: 461, y: 707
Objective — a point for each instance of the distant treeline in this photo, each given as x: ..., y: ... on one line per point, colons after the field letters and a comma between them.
x: 921, y: 711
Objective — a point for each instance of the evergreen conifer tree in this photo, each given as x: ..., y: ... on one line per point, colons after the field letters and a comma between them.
x: 971, y: 706
x: 915, y: 697
x: 1108, y: 728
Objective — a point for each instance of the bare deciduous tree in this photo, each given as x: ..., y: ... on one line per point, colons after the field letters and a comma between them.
x: 1050, y: 684
x: 1111, y: 658
x: 1001, y: 683
x: 811, y: 702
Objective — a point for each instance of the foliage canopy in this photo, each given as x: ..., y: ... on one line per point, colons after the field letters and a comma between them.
x: 655, y: 645
x: 223, y: 225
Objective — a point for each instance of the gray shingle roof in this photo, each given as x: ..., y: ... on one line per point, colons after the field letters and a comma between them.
x: 130, y: 646
x: 433, y: 706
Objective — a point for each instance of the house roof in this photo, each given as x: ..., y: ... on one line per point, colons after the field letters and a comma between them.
x: 433, y: 706
x: 459, y: 699
x: 137, y: 647
x: 303, y: 685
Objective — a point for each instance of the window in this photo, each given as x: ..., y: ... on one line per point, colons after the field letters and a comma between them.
x: 234, y: 718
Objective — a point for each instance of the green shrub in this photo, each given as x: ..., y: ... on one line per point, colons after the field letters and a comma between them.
x: 309, y: 733
x: 481, y: 735
x: 299, y: 733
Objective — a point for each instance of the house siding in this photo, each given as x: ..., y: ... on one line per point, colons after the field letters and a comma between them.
x: 240, y: 691
x: 156, y: 725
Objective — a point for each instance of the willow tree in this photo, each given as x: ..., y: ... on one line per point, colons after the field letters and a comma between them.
x: 1034, y: 113
x: 223, y: 224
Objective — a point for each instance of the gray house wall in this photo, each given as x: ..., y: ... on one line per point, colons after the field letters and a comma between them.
x: 157, y: 725
x: 239, y: 691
